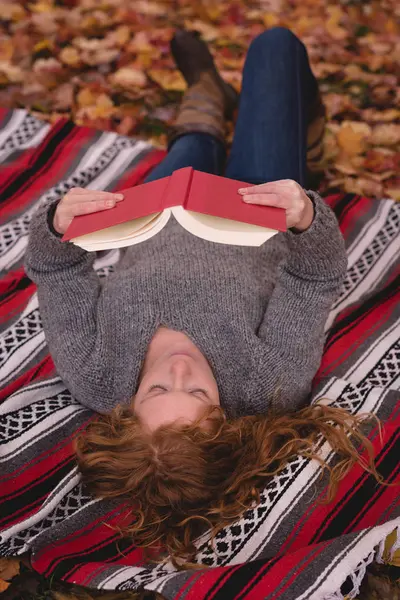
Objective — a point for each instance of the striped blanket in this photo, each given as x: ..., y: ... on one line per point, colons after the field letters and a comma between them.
x: 291, y: 546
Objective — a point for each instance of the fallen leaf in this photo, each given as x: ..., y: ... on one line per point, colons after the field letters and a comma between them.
x: 363, y: 186
x: 10, y: 11
x: 270, y: 20
x: 168, y: 80
x: 63, y: 97
x: 9, y: 567
x: 128, y: 77
x: 150, y: 8
x: 70, y: 56
x: 3, y: 585
x: 209, y: 32
x: 332, y: 24
x: 352, y: 137
x: 12, y: 73
x: 390, y: 114
x: 393, y: 193
x: 47, y: 65
x: 85, y: 98
x: 386, y: 135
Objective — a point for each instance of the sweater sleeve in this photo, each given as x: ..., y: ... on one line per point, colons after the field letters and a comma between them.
x: 69, y: 293
x: 292, y: 331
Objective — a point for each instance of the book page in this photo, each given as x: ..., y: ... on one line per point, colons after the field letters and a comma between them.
x: 124, y: 234
x: 222, y: 231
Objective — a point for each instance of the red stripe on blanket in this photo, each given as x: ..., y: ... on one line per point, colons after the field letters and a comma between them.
x: 44, y: 174
x: 138, y: 174
x: 15, y: 292
x: 318, y: 516
x: 358, y: 331
x: 96, y: 534
x: 44, y: 369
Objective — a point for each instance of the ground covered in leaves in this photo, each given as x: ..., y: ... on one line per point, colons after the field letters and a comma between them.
x: 106, y: 64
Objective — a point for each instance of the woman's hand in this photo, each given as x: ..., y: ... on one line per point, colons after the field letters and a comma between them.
x: 287, y: 194
x: 80, y: 201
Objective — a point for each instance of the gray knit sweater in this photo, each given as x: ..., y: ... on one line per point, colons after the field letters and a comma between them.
x: 257, y: 314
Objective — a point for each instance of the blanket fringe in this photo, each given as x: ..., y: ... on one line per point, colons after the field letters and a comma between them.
x: 380, y: 555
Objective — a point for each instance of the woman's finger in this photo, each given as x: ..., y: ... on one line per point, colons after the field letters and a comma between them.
x: 84, y: 207
x: 266, y: 200
x: 271, y: 187
x: 92, y: 196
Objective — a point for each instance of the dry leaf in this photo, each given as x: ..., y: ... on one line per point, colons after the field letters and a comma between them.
x: 332, y: 25
x: 393, y: 193
x: 208, y: 31
x: 386, y: 135
x: 11, y: 11
x: 352, y: 137
x: 12, y: 73
x: 85, y: 98
x: 129, y: 77
x: 270, y: 20
x: 9, y: 567
x: 70, y: 56
x: 168, y: 80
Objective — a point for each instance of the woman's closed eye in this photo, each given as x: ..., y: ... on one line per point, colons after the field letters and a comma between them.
x: 157, y: 387
x: 196, y: 391
x: 199, y: 391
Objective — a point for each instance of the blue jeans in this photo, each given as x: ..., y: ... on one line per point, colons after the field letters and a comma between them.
x: 270, y: 140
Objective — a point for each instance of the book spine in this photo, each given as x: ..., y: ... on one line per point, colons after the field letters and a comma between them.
x: 178, y: 189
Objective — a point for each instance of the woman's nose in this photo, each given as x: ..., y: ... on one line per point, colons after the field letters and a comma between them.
x: 180, y: 369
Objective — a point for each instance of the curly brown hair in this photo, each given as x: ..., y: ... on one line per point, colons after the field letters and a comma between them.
x: 183, y: 479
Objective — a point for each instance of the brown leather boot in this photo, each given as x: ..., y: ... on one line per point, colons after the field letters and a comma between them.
x: 208, y: 100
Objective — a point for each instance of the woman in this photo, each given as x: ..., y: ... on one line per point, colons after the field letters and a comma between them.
x: 188, y: 341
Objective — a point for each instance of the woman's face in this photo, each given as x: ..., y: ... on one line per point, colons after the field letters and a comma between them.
x: 177, y: 382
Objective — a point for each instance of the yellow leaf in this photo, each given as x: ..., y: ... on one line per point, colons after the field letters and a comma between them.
x: 129, y: 77
x: 104, y: 107
x: 332, y: 24
x: 70, y: 56
x: 122, y: 35
x: 352, y: 139
x: 168, y: 80
x: 270, y: 20
x: 395, y: 194
x: 85, y: 98
x: 42, y: 6
x: 43, y: 45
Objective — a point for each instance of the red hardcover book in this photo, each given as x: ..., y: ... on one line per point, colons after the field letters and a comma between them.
x: 208, y: 206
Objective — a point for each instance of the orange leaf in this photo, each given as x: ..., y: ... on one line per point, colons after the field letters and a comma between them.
x: 9, y: 567
x: 3, y: 585
x: 85, y: 98
x: 352, y: 137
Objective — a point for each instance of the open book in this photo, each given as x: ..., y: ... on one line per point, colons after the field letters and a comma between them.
x: 207, y: 206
